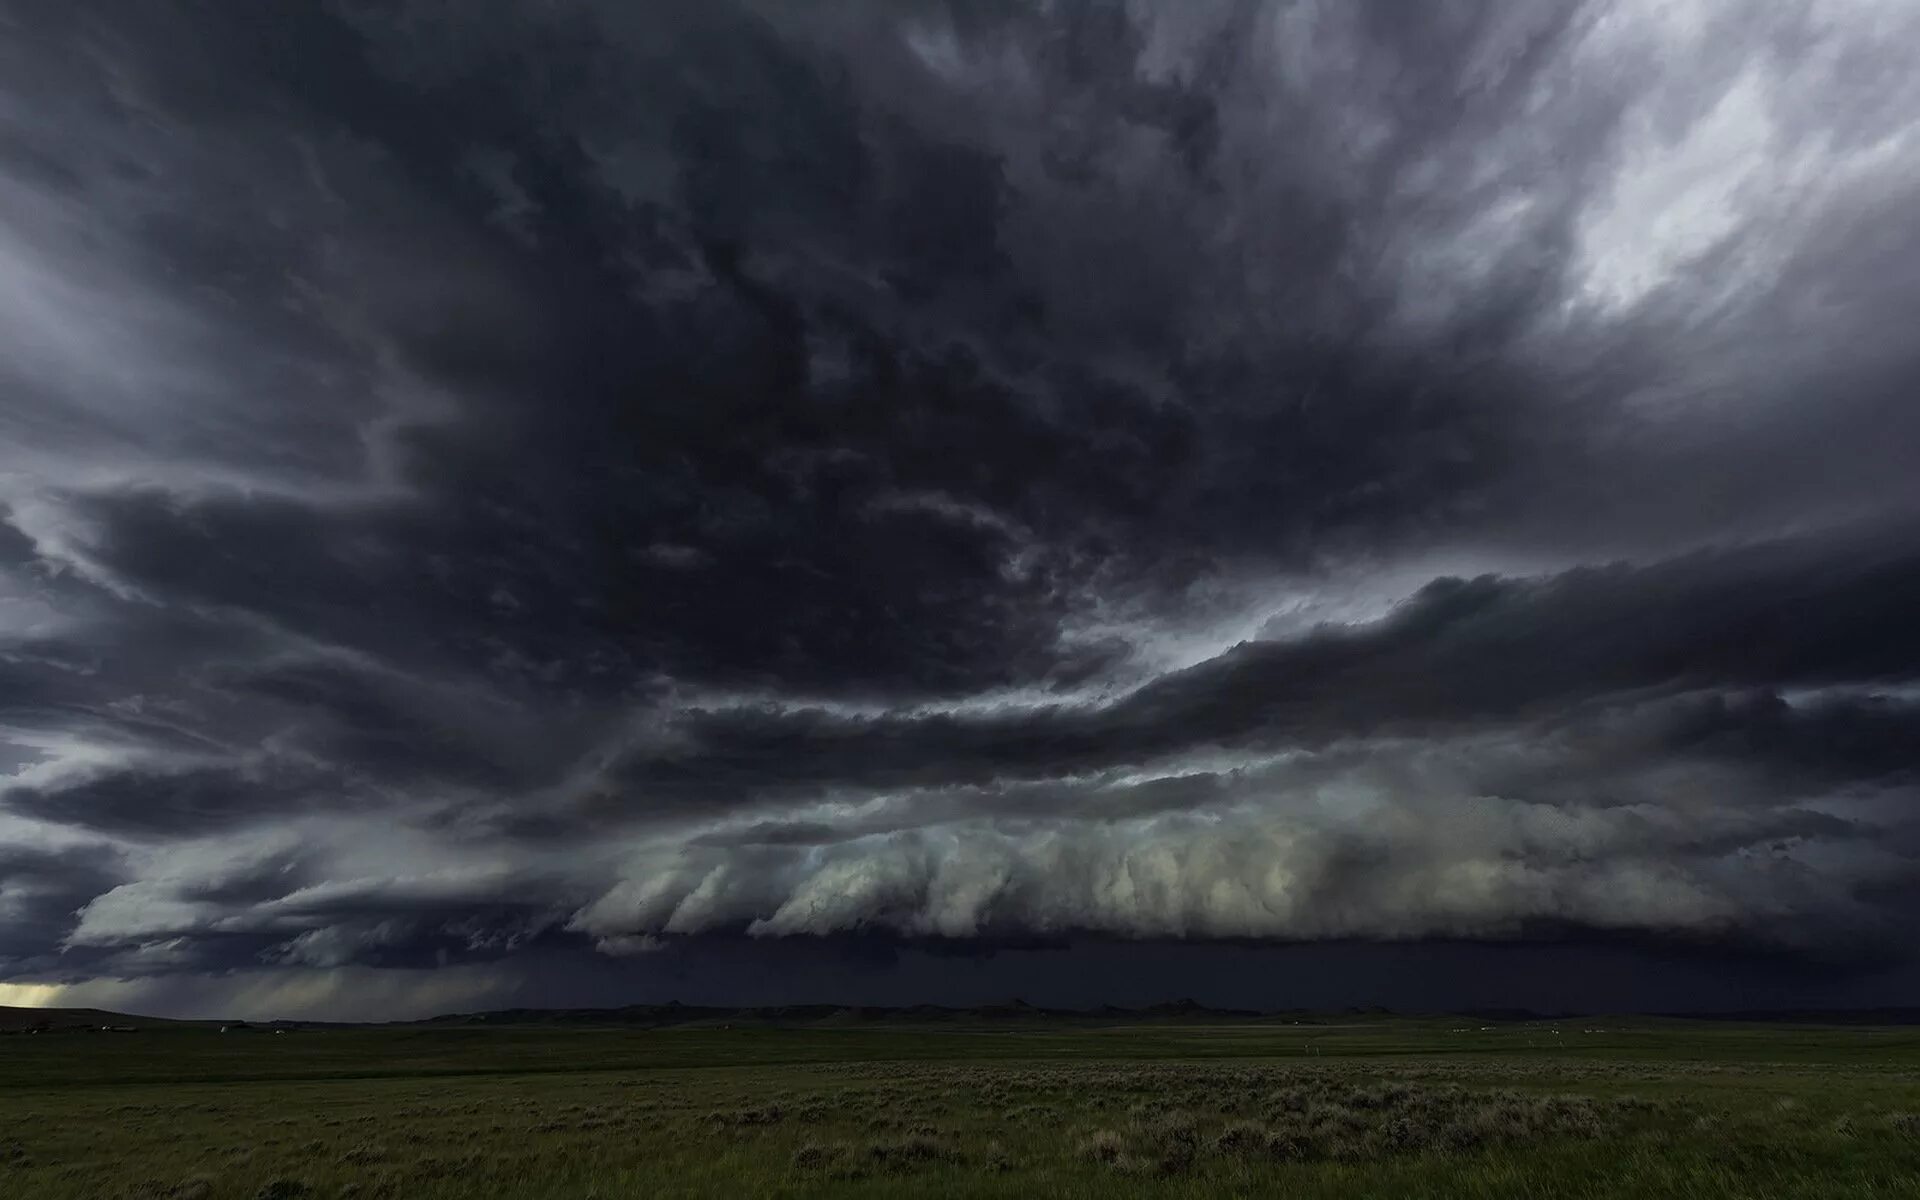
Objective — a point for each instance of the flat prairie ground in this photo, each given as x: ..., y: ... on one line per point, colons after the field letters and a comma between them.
x: 1389, y: 1107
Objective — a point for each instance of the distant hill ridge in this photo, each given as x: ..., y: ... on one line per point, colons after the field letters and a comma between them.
x: 20, y: 1020
x: 675, y: 1013
x: 15, y: 1019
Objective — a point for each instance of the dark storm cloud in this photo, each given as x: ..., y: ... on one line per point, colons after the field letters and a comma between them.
x: 786, y: 437
x: 1460, y: 653
x: 39, y: 890
x: 171, y: 803
x: 480, y: 487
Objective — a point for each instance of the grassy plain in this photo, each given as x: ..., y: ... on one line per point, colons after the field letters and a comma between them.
x: 1368, y: 1107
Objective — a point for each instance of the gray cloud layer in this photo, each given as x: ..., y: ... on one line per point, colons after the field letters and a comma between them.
x: 594, y: 483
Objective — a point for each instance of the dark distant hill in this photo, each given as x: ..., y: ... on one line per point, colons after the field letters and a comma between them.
x: 1016, y: 1011
x: 1813, y: 1016
x: 61, y: 1019
x: 100, y: 1020
x: 832, y: 1014
x: 1013, y: 1012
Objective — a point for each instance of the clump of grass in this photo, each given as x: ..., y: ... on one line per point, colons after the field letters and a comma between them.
x: 1460, y: 1136
x: 1357, y: 1146
x: 1104, y: 1146
x: 814, y: 1156
x: 913, y: 1150
x: 1169, y: 1142
x: 764, y: 1114
x: 197, y: 1188
x: 1283, y: 1147
x: 996, y: 1160
x: 1405, y: 1135
x: 1242, y: 1139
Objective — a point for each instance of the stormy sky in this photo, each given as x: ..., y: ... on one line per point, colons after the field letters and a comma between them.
x: 1301, y: 503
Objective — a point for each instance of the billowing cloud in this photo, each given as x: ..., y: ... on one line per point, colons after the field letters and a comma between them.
x: 591, y: 492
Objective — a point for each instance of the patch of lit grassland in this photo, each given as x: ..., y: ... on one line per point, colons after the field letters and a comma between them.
x: 1389, y: 1108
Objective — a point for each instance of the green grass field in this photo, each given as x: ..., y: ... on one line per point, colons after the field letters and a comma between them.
x: 1388, y: 1107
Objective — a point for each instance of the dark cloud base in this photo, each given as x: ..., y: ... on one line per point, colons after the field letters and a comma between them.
x: 928, y: 502
x: 1554, y: 977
